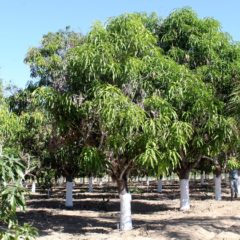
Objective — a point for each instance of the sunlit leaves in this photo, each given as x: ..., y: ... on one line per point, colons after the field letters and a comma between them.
x: 12, y: 197
x: 117, y: 111
x: 233, y: 163
x: 10, y: 125
x: 150, y: 90
x: 92, y: 162
x: 201, y: 45
x: 48, y: 62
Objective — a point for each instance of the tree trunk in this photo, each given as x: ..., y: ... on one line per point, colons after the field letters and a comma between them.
x: 184, y: 189
x: 60, y: 181
x: 226, y: 178
x: 218, y: 190
x: 202, y: 177
x: 238, y: 185
x: 69, y: 192
x: 217, y: 182
x: 195, y: 177
x: 159, y: 187
x: 147, y: 181
x: 33, y: 190
x: 90, y: 184
x: 125, y: 205
x: 100, y: 183
x: 81, y: 180
x: 49, y: 192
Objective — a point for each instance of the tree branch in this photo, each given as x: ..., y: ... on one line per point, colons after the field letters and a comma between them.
x: 125, y: 168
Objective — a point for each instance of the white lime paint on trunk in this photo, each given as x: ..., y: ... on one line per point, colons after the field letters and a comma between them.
x: 69, y: 191
x: 202, y: 178
x: 238, y: 185
x: 100, y: 182
x: 184, y: 195
x: 48, y: 192
x: 33, y: 190
x: 194, y: 177
x: 125, y: 212
x: 90, y: 184
x: 159, y: 187
x: 60, y: 181
x: 218, y: 189
x: 147, y: 181
x: 226, y: 178
x: 81, y: 180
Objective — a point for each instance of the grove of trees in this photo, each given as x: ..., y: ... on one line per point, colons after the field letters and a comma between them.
x: 136, y: 94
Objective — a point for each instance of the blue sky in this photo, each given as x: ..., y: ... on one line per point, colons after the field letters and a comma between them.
x: 23, y: 22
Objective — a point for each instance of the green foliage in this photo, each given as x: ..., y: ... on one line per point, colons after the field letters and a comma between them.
x: 233, y: 163
x: 92, y: 162
x: 45, y: 177
x: 112, y: 53
x: 49, y: 60
x: 12, y: 198
x: 10, y: 127
x: 117, y: 111
x: 200, y: 45
x: 144, y: 92
x: 25, y: 232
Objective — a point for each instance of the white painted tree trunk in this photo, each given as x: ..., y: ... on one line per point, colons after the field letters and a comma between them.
x: 194, y: 177
x: 184, y: 195
x: 60, y: 181
x: 202, y: 178
x: 147, y: 181
x: 238, y: 184
x: 159, y: 187
x: 218, y: 189
x: 90, y: 184
x: 48, y: 192
x: 69, y: 197
x: 125, y: 212
x: 226, y: 177
x: 172, y: 179
x: 33, y: 190
x: 100, y: 182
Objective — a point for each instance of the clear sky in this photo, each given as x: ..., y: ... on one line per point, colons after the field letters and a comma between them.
x: 23, y: 22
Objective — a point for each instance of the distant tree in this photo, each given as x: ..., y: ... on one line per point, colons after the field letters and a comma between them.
x: 48, y: 62
x: 48, y: 65
x: 93, y: 164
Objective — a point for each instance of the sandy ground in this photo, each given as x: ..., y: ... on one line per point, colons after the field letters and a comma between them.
x: 155, y: 215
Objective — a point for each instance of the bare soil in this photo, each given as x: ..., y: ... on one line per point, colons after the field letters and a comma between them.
x: 155, y: 215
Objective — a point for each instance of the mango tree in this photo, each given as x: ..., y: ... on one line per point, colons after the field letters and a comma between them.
x: 11, y: 176
x: 35, y: 133
x: 122, y: 65
x: 201, y: 46
x: 48, y: 64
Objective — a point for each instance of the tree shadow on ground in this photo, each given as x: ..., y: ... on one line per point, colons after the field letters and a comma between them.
x: 138, y: 207
x: 178, y: 228
x: 46, y: 222
x: 183, y: 228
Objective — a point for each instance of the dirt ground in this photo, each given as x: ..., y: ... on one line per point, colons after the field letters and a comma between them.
x: 155, y: 215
